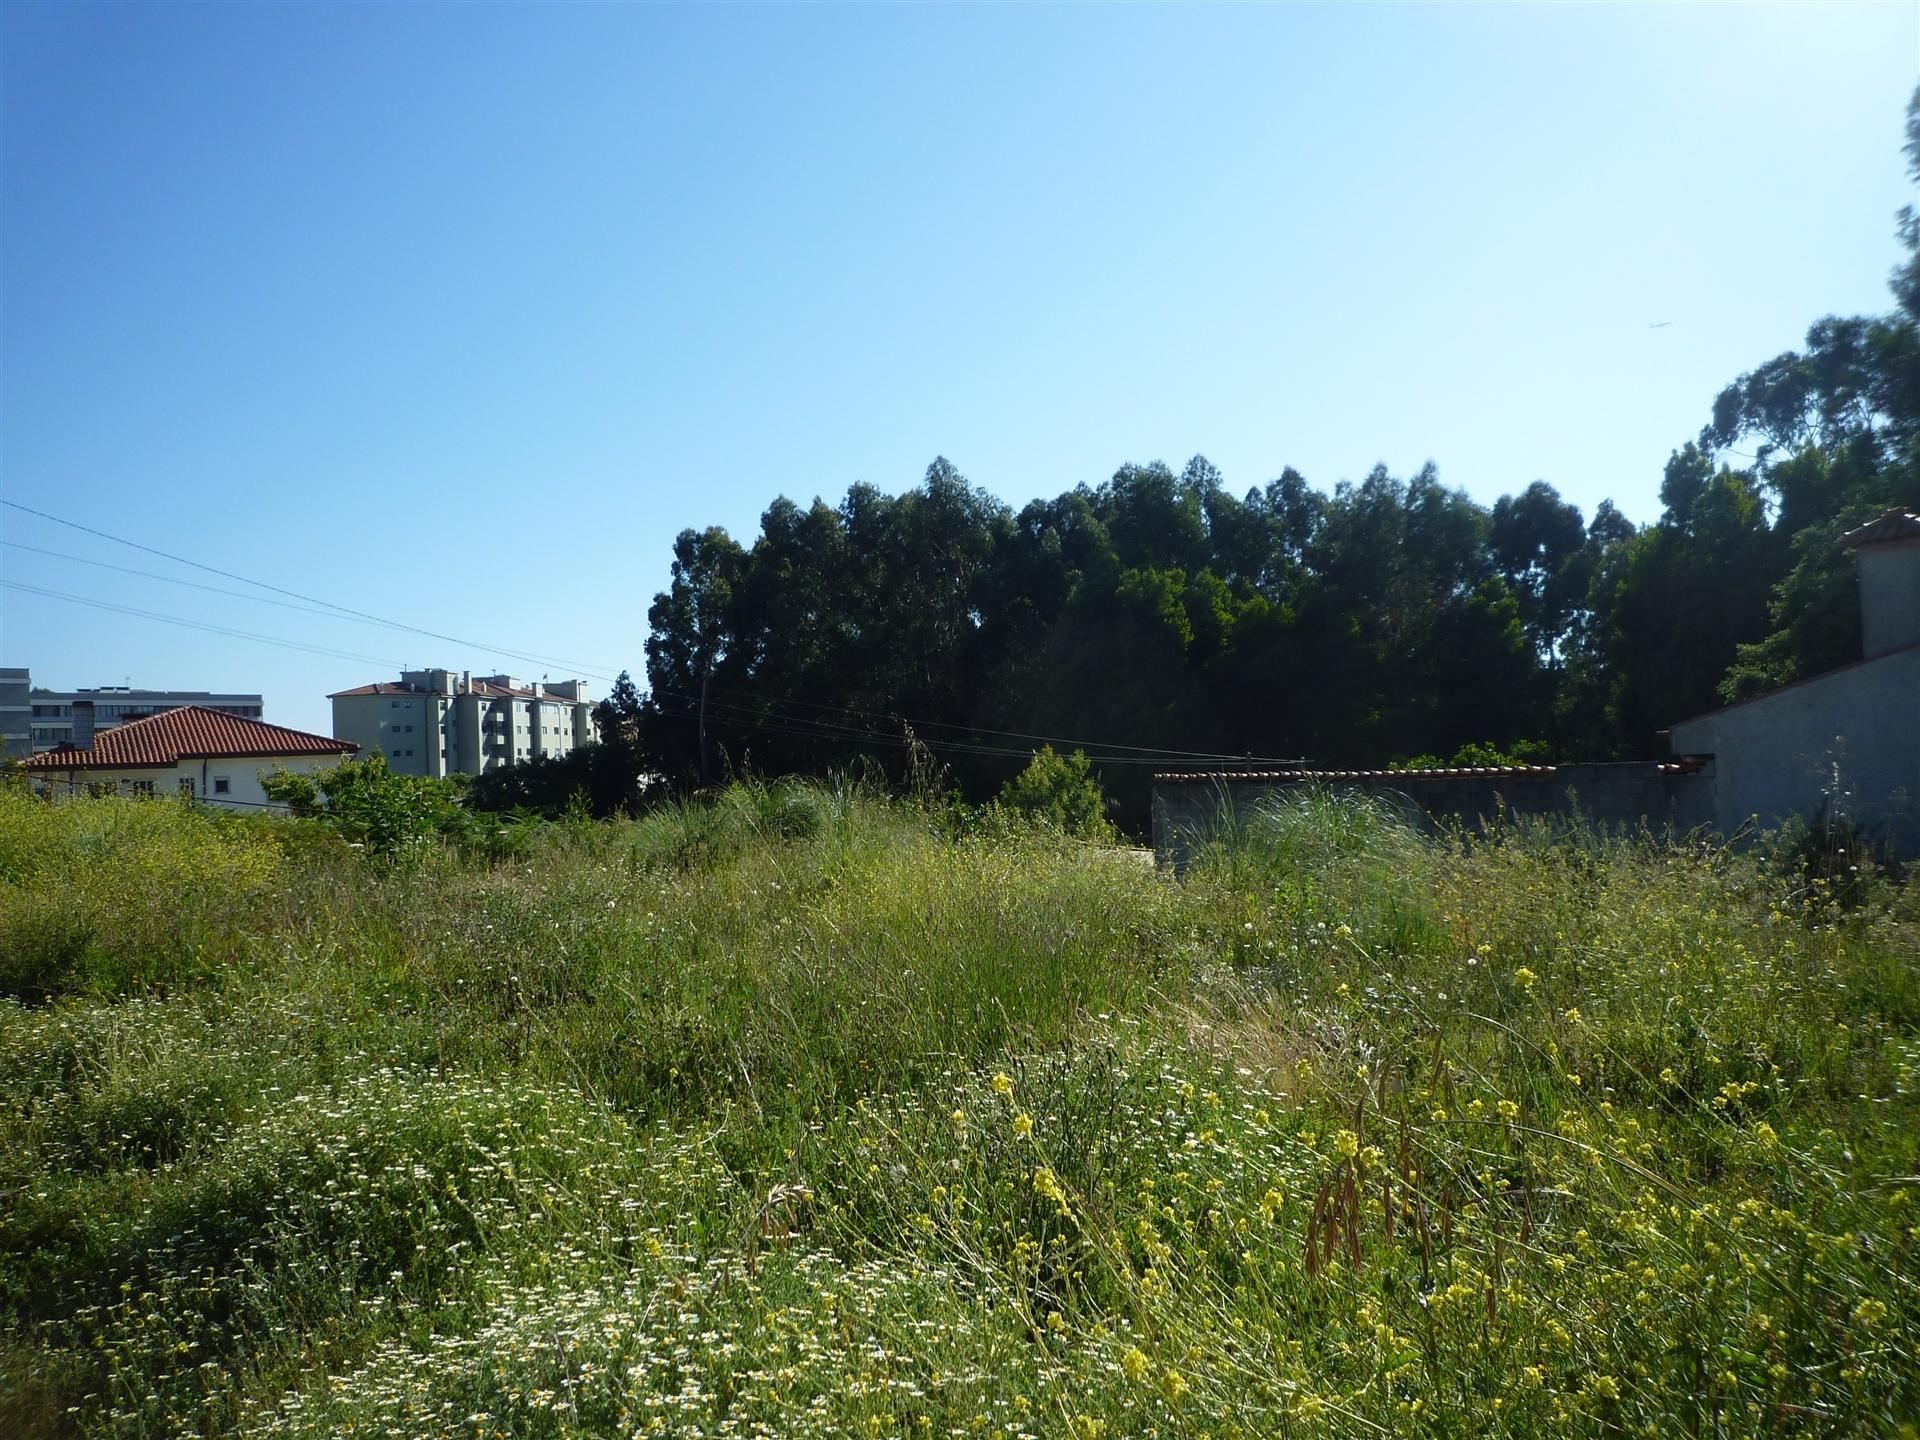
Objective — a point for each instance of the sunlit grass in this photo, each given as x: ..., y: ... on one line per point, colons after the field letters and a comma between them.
x: 794, y: 1114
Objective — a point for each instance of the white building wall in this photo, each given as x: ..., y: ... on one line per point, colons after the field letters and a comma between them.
x: 199, y: 778
x: 476, y: 732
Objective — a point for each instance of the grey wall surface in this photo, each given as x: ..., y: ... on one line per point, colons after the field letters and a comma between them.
x: 1889, y: 597
x: 16, y: 735
x: 1846, y: 743
x: 1614, y: 797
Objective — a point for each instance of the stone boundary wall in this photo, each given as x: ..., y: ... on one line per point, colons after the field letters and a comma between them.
x: 1665, y: 797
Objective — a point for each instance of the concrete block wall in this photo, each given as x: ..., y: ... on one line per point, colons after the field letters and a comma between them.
x: 1665, y: 798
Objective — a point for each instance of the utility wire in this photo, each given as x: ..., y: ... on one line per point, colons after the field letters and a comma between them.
x: 1147, y: 754
x: 190, y: 584
x: 827, y: 730
x: 1157, y: 751
x: 531, y: 659
x: 200, y: 625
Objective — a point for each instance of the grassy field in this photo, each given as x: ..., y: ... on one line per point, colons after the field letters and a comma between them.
x: 795, y: 1114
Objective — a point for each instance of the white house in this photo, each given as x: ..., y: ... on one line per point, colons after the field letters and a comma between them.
x: 193, y: 751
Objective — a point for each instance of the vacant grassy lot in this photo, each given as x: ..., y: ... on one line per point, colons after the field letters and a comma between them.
x: 793, y: 1115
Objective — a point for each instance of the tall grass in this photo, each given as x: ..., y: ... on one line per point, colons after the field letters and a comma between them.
x: 789, y: 1112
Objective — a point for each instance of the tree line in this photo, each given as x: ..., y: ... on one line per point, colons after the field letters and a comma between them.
x: 1162, y: 614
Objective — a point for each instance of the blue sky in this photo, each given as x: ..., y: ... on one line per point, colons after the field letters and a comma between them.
x: 458, y: 315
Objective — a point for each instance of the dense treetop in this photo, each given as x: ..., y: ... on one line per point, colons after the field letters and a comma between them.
x: 1164, y: 611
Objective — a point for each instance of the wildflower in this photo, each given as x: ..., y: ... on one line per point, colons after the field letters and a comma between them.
x: 1346, y: 1144
x: 1086, y: 1427
x: 1022, y: 1125
x: 1003, y: 1084
x: 1174, y: 1386
x: 1056, y: 1322
x: 1343, y: 932
x: 1526, y: 978
x: 1572, y: 1015
x: 1136, y: 1364
x: 1765, y: 1134
x: 1870, y: 1313
x: 1509, y: 1111
x: 1048, y: 1184
x: 1667, y: 1077
x: 1603, y: 1387
x: 959, y: 1119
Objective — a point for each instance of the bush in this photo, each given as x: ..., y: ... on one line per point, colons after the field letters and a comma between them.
x: 1060, y: 792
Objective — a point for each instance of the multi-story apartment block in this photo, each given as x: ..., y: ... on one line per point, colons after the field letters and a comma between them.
x: 16, y: 736
x: 448, y: 722
x: 52, y: 715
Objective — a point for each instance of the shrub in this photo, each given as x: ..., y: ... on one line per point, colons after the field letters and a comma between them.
x: 1060, y: 791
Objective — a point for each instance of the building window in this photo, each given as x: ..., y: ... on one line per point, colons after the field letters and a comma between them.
x: 186, y: 786
x: 220, y: 785
x: 141, y: 787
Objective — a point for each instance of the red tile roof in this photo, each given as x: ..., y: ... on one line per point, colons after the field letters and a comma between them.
x: 191, y: 732
x: 1898, y: 523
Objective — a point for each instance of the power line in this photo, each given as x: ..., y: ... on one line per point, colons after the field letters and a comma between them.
x: 330, y: 606
x: 176, y: 580
x: 199, y: 625
x: 1155, y: 751
x: 809, y: 729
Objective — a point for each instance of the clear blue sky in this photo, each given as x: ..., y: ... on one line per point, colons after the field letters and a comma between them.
x: 457, y: 315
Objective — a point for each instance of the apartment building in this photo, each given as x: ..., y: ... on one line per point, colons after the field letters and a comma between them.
x: 449, y: 722
x: 16, y: 735
x: 51, y: 719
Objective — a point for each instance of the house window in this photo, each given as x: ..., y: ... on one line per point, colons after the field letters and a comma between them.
x: 220, y: 785
x: 186, y: 786
x: 141, y: 787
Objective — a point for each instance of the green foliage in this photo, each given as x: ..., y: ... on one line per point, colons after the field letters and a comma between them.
x: 1521, y: 752
x: 1393, y: 616
x: 1062, y: 793
x: 372, y: 806
x: 781, y: 1110
x: 113, y: 895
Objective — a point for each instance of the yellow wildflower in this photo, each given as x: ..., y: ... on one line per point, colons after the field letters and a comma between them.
x: 1136, y: 1364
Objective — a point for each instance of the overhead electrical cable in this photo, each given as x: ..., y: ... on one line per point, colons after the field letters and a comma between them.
x: 802, y: 728
x: 594, y: 672
x: 199, y: 625
x: 189, y: 584
x: 1151, y: 751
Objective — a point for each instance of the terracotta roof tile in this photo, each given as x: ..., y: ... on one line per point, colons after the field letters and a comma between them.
x: 1511, y: 772
x: 1898, y: 523
x: 191, y: 732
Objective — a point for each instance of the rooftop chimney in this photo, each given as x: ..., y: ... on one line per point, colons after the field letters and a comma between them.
x: 83, y: 724
x: 1889, y: 556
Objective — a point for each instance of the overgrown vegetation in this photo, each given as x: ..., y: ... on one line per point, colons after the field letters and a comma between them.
x: 1393, y: 616
x: 796, y: 1112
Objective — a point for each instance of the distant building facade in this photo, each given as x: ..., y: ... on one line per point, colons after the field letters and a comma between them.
x: 193, y: 751
x: 16, y: 734
x: 52, y: 715
x: 436, y: 723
